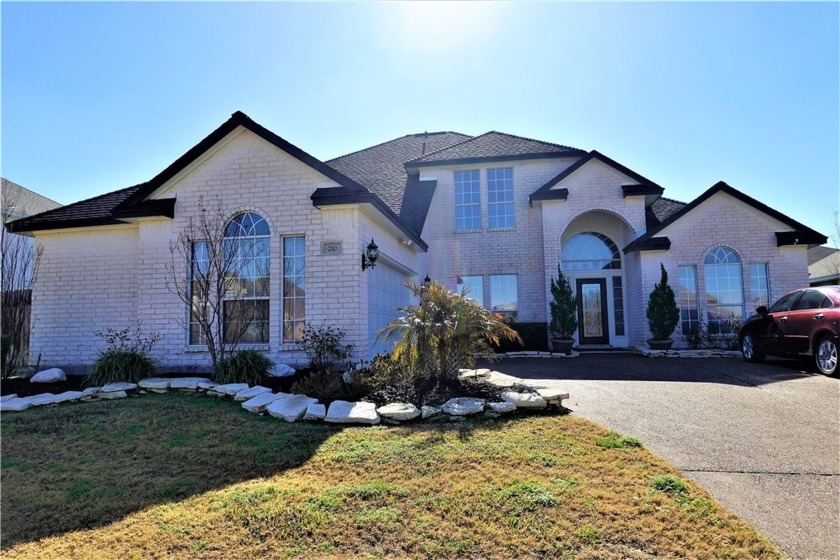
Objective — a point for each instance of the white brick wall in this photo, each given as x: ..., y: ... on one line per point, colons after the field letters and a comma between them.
x: 724, y: 220
x: 104, y: 277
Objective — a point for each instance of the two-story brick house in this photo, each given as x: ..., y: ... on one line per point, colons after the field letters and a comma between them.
x: 494, y: 213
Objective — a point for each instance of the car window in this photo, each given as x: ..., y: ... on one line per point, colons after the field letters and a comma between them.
x: 827, y: 303
x: 811, y: 299
x: 785, y: 303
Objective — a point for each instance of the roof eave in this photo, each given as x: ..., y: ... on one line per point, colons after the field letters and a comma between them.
x: 492, y: 159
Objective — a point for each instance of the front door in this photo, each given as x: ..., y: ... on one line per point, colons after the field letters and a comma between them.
x: 592, y: 311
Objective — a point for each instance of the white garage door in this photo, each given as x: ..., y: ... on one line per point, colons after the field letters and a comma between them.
x: 386, y: 293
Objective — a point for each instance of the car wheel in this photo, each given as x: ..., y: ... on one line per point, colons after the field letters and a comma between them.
x: 749, y: 348
x: 825, y: 355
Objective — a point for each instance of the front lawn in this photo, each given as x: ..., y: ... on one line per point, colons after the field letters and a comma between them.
x: 184, y: 476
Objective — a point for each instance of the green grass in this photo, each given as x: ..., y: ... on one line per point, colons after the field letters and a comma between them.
x: 182, y: 476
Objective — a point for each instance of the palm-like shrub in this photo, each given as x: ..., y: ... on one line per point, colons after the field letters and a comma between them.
x: 444, y: 332
x: 243, y: 366
x: 126, y: 357
x: 662, y: 311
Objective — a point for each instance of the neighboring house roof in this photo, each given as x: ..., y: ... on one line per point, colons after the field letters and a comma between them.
x: 494, y: 146
x: 19, y: 201
x: 823, y: 265
x: 644, y: 185
x: 93, y: 211
x: 801, y: 234
x: 380, y: 168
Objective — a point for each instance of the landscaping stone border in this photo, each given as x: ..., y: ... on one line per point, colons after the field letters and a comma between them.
x: 706, y: 353
x: 291, y: 408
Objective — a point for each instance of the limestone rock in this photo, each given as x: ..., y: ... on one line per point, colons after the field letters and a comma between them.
x: 246, y: 394
x: 524, y: 400
x: 553, y: 396
x: 399, y: 411
x: 343, y: 412
x: 502, y: 407
x: 429, y: 411
x: 291, y: 408
x: 15, y: 405
x: 282, y: 370
x: 230, y: 389
x: 53, y: 375
x: 118, y: 386
x: 5, y: 398
x: 315, y: 411
x: 42, y: 399
x: 156, y: 384
x: 206, y: 385
x: 68, y: 396
x: 109, y: 395
x: 261, y: 401
x: 463, y: 406
x: 186, y: 383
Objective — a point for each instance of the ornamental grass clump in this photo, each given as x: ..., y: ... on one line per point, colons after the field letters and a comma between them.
x: 126, y: 357
x: 243, y: 366
x: 444, y: 332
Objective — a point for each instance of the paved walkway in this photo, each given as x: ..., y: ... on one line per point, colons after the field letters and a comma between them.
x: 764, y: 439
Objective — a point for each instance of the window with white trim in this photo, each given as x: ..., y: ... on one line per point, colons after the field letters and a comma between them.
x: 246, y: 300
x: 467, y: 201
x: 687, y: 288
x: 500, y: 207
x: 473, y: 286
x: 759, y: 285
x: 294, y: 288
x: 724, y: 290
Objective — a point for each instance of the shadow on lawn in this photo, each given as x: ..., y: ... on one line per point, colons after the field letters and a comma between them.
x: 83, y: 466
x: 632, y: 367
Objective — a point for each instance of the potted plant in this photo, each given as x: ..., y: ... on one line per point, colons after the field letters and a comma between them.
x: 662, y: 313
x: 563, y: 314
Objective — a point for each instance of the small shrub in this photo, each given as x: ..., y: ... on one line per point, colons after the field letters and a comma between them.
x: 668, y: 484
x: 699, y: 337
x: 662, y: 311
x: 244, y: 366
x: 563, y: 307
x: 325, y: 348
x: 125, y: 359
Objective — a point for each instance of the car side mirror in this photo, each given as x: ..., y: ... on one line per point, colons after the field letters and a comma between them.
x: 761, y: 310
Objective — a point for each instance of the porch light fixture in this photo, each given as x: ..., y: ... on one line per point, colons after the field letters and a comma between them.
x: 427, y: 281
x: 369, y: 257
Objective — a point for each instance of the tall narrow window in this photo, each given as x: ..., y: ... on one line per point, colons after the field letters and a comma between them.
x: 759, y: 285
x: 618, y: 306
x: 500, y: 206
x: 474, y: 287
x: 199, y: 291
x: 467, y: 201
x: 246, y: 298
x: 689, y: 316
x: 294, y: 288
x: 503, y: 295
x: 724, y: 290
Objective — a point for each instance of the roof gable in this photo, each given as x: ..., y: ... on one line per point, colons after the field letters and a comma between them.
x: 801, y: 233
x: 643, y: 186
x: 494, y: 146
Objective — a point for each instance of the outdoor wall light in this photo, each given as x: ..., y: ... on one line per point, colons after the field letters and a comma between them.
x: 369, y: 257
x: 427, y: 281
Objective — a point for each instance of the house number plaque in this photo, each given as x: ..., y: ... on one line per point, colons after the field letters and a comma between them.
x: 331, y: 248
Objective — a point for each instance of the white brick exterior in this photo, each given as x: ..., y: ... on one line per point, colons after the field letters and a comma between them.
x: 115, y: 276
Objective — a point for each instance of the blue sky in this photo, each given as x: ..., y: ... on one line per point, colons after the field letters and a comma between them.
x: 97, y: 97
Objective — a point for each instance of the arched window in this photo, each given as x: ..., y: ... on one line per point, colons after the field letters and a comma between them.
x: 724, y: 290
x: 246, y: 300
x: 590, y: 251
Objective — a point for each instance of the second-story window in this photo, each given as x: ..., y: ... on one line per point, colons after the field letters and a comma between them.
x: 467, y: 201
x: 500, y: 198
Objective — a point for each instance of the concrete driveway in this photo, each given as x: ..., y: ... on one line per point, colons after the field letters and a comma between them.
x: 764, y: 439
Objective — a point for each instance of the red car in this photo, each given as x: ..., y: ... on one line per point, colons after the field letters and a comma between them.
x: 803, y: 323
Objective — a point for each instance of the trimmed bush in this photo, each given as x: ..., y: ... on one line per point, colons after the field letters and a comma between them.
x: 662, y: 311
x: 243, y: 366
x: 325, y: 348
x: 534, y: 337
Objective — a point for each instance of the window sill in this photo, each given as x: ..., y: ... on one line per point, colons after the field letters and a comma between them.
x: 503, y: 229
x: 468, y: 231
x: 195, y: 349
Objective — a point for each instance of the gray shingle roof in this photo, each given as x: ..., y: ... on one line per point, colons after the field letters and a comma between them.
x: 93, y: 211
x: 660, y: 210
x: 380, y: 168
x: 494, y: 145
x: 816, y: 254
x: 19, y: 201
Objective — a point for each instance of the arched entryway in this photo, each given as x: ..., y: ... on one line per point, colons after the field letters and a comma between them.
x: 591, y: 259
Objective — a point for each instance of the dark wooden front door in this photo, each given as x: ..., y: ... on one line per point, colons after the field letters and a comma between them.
x: 592, y: 311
